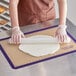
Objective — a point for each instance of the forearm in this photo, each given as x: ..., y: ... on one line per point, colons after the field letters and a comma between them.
x: 62, y: 11
x: 13, y: 12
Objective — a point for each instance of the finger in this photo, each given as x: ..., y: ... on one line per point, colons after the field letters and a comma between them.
x: 11, y: 41
x: 17, y: 39
x: 58, y: 37
x: 22, y: 35
x: 65, y: 38
x: 62, y: 38
x: 14, y: 39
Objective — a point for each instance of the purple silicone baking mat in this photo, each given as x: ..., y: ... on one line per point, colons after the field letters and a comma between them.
x: 21, y: 66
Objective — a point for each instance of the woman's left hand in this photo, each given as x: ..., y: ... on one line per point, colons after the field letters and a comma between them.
x: 61, y: 34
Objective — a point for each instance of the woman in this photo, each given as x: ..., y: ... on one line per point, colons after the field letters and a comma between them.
x: 24, y: 12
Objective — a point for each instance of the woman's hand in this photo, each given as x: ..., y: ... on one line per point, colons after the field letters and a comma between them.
x: 17, y: 34
x: 61, y: 34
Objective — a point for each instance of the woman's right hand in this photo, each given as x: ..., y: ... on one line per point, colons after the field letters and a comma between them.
x: 16, y: 36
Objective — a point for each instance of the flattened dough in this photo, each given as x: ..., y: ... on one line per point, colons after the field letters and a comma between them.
x: 40, y: 49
